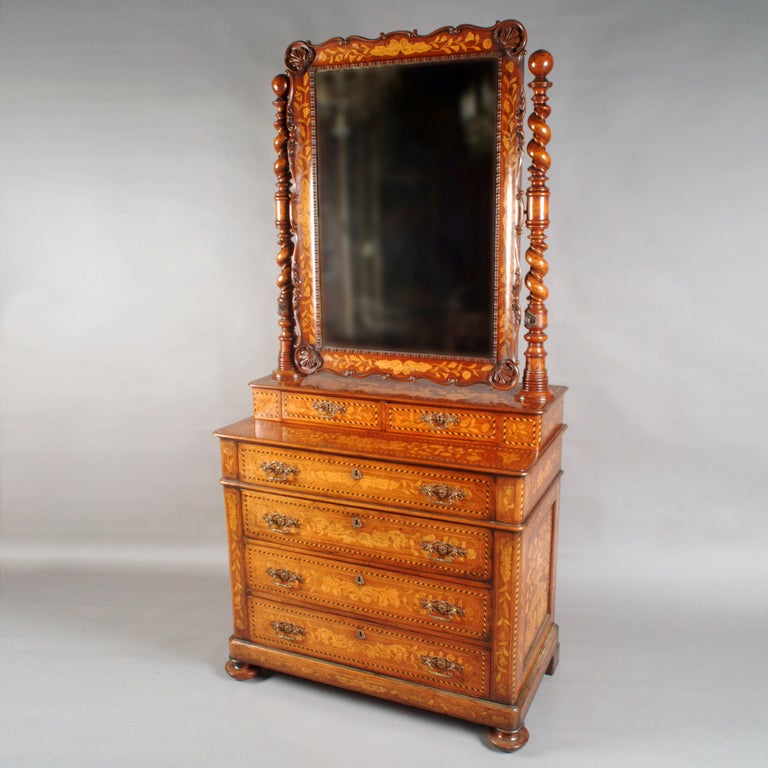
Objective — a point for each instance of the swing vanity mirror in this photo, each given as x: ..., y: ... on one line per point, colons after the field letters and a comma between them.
x: 405, y: 155
x: 392, y: 501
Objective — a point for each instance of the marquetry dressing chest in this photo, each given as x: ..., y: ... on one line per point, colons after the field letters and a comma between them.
x: 392, y: 511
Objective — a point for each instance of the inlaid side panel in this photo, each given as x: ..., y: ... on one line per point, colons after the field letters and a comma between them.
x: 522, y: 431
x: 266, y: 404
x: 542, y: 473
x: 552, y: 419
x: 506, y: 664
x: 236, y: 569
x: 510, y: 498
x: 538, y: 557
x: 228, y: 449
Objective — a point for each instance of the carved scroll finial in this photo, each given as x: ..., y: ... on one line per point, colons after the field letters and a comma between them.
x: 284, y: 370
x: 299, y: 56
x: 510, y: 35
x: 535, y: 388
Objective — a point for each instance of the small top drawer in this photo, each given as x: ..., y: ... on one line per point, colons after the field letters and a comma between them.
x: 473, y: 425
x: 323, y: 410
x: 454, y: 493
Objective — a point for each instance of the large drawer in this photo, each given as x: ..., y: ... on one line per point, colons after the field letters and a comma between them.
x: 454, y: 493
x: 377, y: 594
x: 381, y: 538
x: 368, y: 646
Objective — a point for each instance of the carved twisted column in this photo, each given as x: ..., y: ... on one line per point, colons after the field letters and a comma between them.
x: 535, y: 388
x: 284, y: 370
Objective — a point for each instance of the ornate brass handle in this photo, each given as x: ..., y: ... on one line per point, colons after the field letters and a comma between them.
x: 328, y: 409
x: 442, y: 667
x: 288, y: 631
x: 442, y: 494
x: 441, y: 610
x: 439, y: 420
x: 279, y: 471
x: 284, y: 578
x: 442, y: 551
x: 280, y: 523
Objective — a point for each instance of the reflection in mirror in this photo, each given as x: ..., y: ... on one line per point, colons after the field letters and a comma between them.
x: 406, y: 170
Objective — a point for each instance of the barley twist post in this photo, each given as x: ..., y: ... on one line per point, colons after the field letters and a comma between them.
x: 284, y: 370
x: 535, y: 388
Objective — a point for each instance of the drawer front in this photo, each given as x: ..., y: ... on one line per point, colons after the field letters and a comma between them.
x: 380, y: 537
x: 368, y: 646
x: 376, y: 482
x: 376, y: 594
x: 324, y: 410
x: 445, y: 423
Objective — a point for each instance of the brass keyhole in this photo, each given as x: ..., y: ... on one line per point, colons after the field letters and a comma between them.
x: 356, y: 474
x: 359, y: 580
x: 360, y: 634
x: 357, y: 522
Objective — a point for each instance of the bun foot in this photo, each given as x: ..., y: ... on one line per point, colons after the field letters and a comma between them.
x: 509, y: 741
x: 239, y: 670
x: 550, y: 670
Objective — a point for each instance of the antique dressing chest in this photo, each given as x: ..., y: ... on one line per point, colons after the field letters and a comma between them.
x: 392, y: 502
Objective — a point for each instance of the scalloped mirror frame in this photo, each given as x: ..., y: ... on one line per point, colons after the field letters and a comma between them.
x: 301, y: 347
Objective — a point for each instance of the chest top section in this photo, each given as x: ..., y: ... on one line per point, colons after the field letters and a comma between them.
x: 417, y: 421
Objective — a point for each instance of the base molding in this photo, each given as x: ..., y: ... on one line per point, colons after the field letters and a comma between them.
x: 506, y: 717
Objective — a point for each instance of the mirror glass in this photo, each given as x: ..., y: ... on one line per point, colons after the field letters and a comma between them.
x: 406, y: 174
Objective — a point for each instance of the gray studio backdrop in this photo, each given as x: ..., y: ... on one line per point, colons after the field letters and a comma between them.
x: 137, y: 250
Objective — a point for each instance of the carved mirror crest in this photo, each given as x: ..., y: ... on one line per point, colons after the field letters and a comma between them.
x: 399, y: 205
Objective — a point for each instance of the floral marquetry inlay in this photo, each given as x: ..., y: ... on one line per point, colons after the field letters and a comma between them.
x: 465, y: 39
x: 232, y: 503
x: 537, y: 566
x: 522, y: 431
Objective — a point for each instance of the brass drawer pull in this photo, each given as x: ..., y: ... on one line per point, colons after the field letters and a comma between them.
x: 279, y: 471
x: 442, y: 551
x: 442, y: 494
x: 360, y: 634
x: 441, y: 610
x: 284, y: 578
x: 357, y: 522
x: 280, y: 523
x: 328, y: 409
x: 359, y: 580
x: 288, y: 631
x: 438, y: 420
x: 442, y: 667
